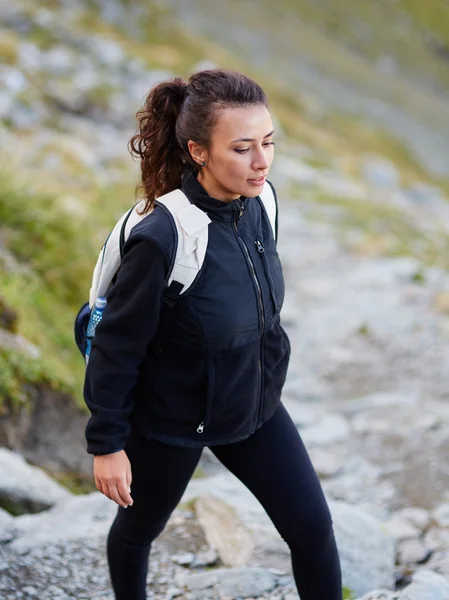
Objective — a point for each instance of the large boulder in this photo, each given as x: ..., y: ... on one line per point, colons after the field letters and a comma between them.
x: 24, y: 488
x: 75, y: 518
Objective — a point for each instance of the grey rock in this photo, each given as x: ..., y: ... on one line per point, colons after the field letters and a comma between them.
x: 367, y: 552
x: 14, y: 80
x: 437, y: 539
x: 18, y: 343
x: 380, y: 594
x: 331, y: 429
x: 224, y: 530
x: 183, y: 558
x: 419, y: 517
x: 59, y: 60
x: 423, y: 193
x: 7, y: 527
x: 361, y: 482
x: 6, y: 104
x: 78, y: 517
x: 439, y: 562
x: 413, y: 551
x: 441, y: 515
x: 30, y: 57
x: 381, y: 172
x: 426, y: 585
x: 28, y: 488
x: 400, y: 529
x: 326, y: 463
x: 205, y: 559
x: 108, y: 51
x: 174, y: 592
x: 239, y: 582
x: 378, y: 400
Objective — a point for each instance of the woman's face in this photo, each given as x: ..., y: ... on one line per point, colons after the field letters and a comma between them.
x: 240, y: 155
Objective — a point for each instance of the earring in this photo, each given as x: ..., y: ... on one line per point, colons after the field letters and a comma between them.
x: 203, y: 164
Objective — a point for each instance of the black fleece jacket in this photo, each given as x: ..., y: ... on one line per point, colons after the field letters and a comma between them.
x: 209, y: 370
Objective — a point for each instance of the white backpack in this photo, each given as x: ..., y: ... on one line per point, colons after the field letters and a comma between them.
x: 192, y: 227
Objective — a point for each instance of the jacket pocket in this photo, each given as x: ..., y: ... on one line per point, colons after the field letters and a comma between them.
x: 276, y: 360
x: 174, y: 386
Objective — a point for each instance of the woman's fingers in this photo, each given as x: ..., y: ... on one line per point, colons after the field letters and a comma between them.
x: 112, y: 473
x: 99, y: 485
x: 123, y: 490
x: 112, y: 492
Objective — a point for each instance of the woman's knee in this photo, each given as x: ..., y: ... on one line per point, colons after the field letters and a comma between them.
x: 315, y: 530
x: 136, y: 529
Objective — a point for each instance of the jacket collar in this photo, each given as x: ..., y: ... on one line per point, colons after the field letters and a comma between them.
x: 215, y: 209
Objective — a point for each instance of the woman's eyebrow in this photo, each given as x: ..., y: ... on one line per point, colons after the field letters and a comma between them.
x: 251, y: 139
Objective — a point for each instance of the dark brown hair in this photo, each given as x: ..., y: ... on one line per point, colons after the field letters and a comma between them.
x: 176, y: 112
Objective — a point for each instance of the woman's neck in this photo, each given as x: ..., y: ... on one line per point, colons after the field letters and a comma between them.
x: 215, y: 190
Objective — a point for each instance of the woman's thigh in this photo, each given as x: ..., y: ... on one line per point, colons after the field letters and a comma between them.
x: 160, y: 474
x: 274, y: 465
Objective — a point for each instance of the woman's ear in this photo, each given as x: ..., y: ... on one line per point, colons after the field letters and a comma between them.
x: 198, y: 153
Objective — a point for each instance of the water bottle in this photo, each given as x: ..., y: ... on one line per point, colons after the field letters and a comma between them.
x: 95, y: 318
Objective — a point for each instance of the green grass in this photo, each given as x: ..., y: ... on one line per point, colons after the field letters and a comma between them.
x: 348, y: 594
x: 77, y: 483
x: 55, y: 255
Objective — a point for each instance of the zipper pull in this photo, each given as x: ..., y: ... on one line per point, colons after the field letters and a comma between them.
x: 200, y: 427
x: 259, y: 246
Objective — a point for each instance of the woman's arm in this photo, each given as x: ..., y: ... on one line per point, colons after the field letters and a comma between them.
x: 129, y: 323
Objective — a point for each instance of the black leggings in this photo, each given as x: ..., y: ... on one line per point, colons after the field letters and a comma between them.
x: 273, y: 463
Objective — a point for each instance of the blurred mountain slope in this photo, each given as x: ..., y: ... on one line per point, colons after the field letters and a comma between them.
x: 72, y: 78
x: 387, y: 61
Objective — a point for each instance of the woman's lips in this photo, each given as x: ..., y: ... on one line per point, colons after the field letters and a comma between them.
x: 258, y: 181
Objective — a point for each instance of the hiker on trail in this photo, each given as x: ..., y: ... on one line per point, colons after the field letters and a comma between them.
x: 171, y: 372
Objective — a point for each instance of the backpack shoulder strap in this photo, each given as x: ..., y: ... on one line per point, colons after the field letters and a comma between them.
x: 268, y: 199
x: 110, y: 255
x: 192, y: 227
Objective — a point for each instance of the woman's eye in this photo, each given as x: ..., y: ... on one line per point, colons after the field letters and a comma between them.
x: 244, y: 150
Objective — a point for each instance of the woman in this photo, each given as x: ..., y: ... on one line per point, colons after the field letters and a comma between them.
x: 165, y: 381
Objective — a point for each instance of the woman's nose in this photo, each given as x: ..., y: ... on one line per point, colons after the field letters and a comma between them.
x: 261, y: 161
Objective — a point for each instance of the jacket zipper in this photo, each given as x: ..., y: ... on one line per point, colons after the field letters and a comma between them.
x: 261, y: 305
x: 261, y: 251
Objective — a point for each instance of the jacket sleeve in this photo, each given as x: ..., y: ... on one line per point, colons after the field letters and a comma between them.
x: 128, y: 325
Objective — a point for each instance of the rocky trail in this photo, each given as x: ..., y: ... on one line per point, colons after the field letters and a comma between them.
x: 368, y: 378
x: 366, y: 389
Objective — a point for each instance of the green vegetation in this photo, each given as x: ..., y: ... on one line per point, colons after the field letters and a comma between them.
x: 348, y: 594
x: 77, y: 483
x: 10, y: 507
x: 16, y: 370
x: 55, y: 256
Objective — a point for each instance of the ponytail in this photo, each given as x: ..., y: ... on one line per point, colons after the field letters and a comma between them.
x: 161, y: 157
